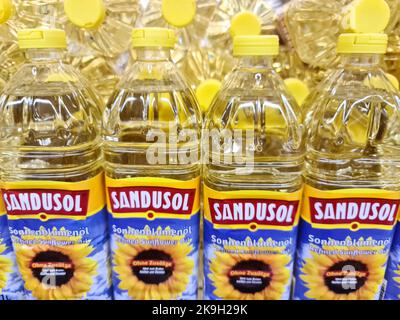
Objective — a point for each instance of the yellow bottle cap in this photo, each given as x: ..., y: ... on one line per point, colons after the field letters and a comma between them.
x: 42, y: 39
x: 298, y: 89
x: 206, y: 92
x: 245, y: 23
x: 153, y: 37
x: 362, y: 43
x: 256, y: 45
x: 88, y: 14
x: 179, y: 13
x: 6, y: 9
x: 367, y: 16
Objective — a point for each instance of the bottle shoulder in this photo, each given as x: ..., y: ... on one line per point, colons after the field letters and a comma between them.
x: 354, y: 112
x: 49, y: 106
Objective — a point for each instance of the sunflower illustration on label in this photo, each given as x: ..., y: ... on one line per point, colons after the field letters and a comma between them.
x: 5, y: 268
x: 253, y: 277
x: 154, y: 273
x: 393, y: 269
x: 249, y: 243
x: 56, y: 273
x: 59, y: 233
x: 154, y: 224
x: 11, y: 287
x: 344, y: 242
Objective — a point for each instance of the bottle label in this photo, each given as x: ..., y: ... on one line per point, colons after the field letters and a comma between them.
x: 249, y: 244
x: 393, y: 269
x: 344, y: 242
x: 154, y: 224
x: 59, y: 234
x: 11, y: 287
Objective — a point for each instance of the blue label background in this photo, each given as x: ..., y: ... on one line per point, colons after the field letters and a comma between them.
x: 14, y: 289
x: 178, y: 224
x: 241, y: 235
x: 98, y: 239
x: 337, y: 234
x: 393, y: 287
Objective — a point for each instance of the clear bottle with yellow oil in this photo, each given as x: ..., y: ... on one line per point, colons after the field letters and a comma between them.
x: 314, y: 28
x: 205, y: 68
x: 104, y: 26
x: 99, y: 33
x: 151, y: 133
x: 252, y: 179
x: 352, y: 192
x: 188, y: 18
x: 52, y: 176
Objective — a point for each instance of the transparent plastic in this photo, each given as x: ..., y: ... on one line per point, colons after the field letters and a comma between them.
x: 103, y: 73
x: 267, y: 12
x: 315, y: 28
x: 191, y: 35
x: 218, y: 31
x: 392, y: 57
x: 354, y: 128
x: 112, y: 37
x: 50, y: 122
x: 254, y: 98
x: 26, y: 14
x: 151, y: 97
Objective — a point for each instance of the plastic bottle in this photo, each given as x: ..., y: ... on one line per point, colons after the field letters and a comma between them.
x: 314, y: 28
x: 392, y: 57
x: 151, y: 133
x: 52, y: 176
x: 11, y: 286
x: 351, y: 196
x: 235, y: 18
x: 205, y: 68
x: 298, y: 89
x: 103, y: 25
x: 252, y: 179
x: 188, y: 18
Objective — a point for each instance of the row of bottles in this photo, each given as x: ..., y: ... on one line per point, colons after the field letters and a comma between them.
x: 98, y: 31
x: 77, y: 177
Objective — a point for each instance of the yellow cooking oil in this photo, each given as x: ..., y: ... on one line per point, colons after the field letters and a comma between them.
x: 104, y: 26
x: 205, y: 68
x: 189, y: 19
x: 51, y: 173
x: 252, y: 179
x: 351, y: 191
x: 151, y: 132
x: 314, y: 29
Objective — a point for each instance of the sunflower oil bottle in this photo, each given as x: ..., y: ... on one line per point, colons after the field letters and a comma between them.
x: 11, y: 286
x: 252, y: 179
x: 99, y: 33
x: 188, y: 18
x: 352, y: 193
x: 392, y: 57
x: 205, y: 68
x: 51, y: 173
x: 10, y: 55
x: 104, y: 25
x: 314, y: 27
x: 151, y: 133
x: 298, y: 89
x: 393, y: 269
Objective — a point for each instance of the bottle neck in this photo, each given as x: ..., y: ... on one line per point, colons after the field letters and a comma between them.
x: 361, y: 60
x: 45, y: 55
x: 153, y: 54
x: 256, y: 62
